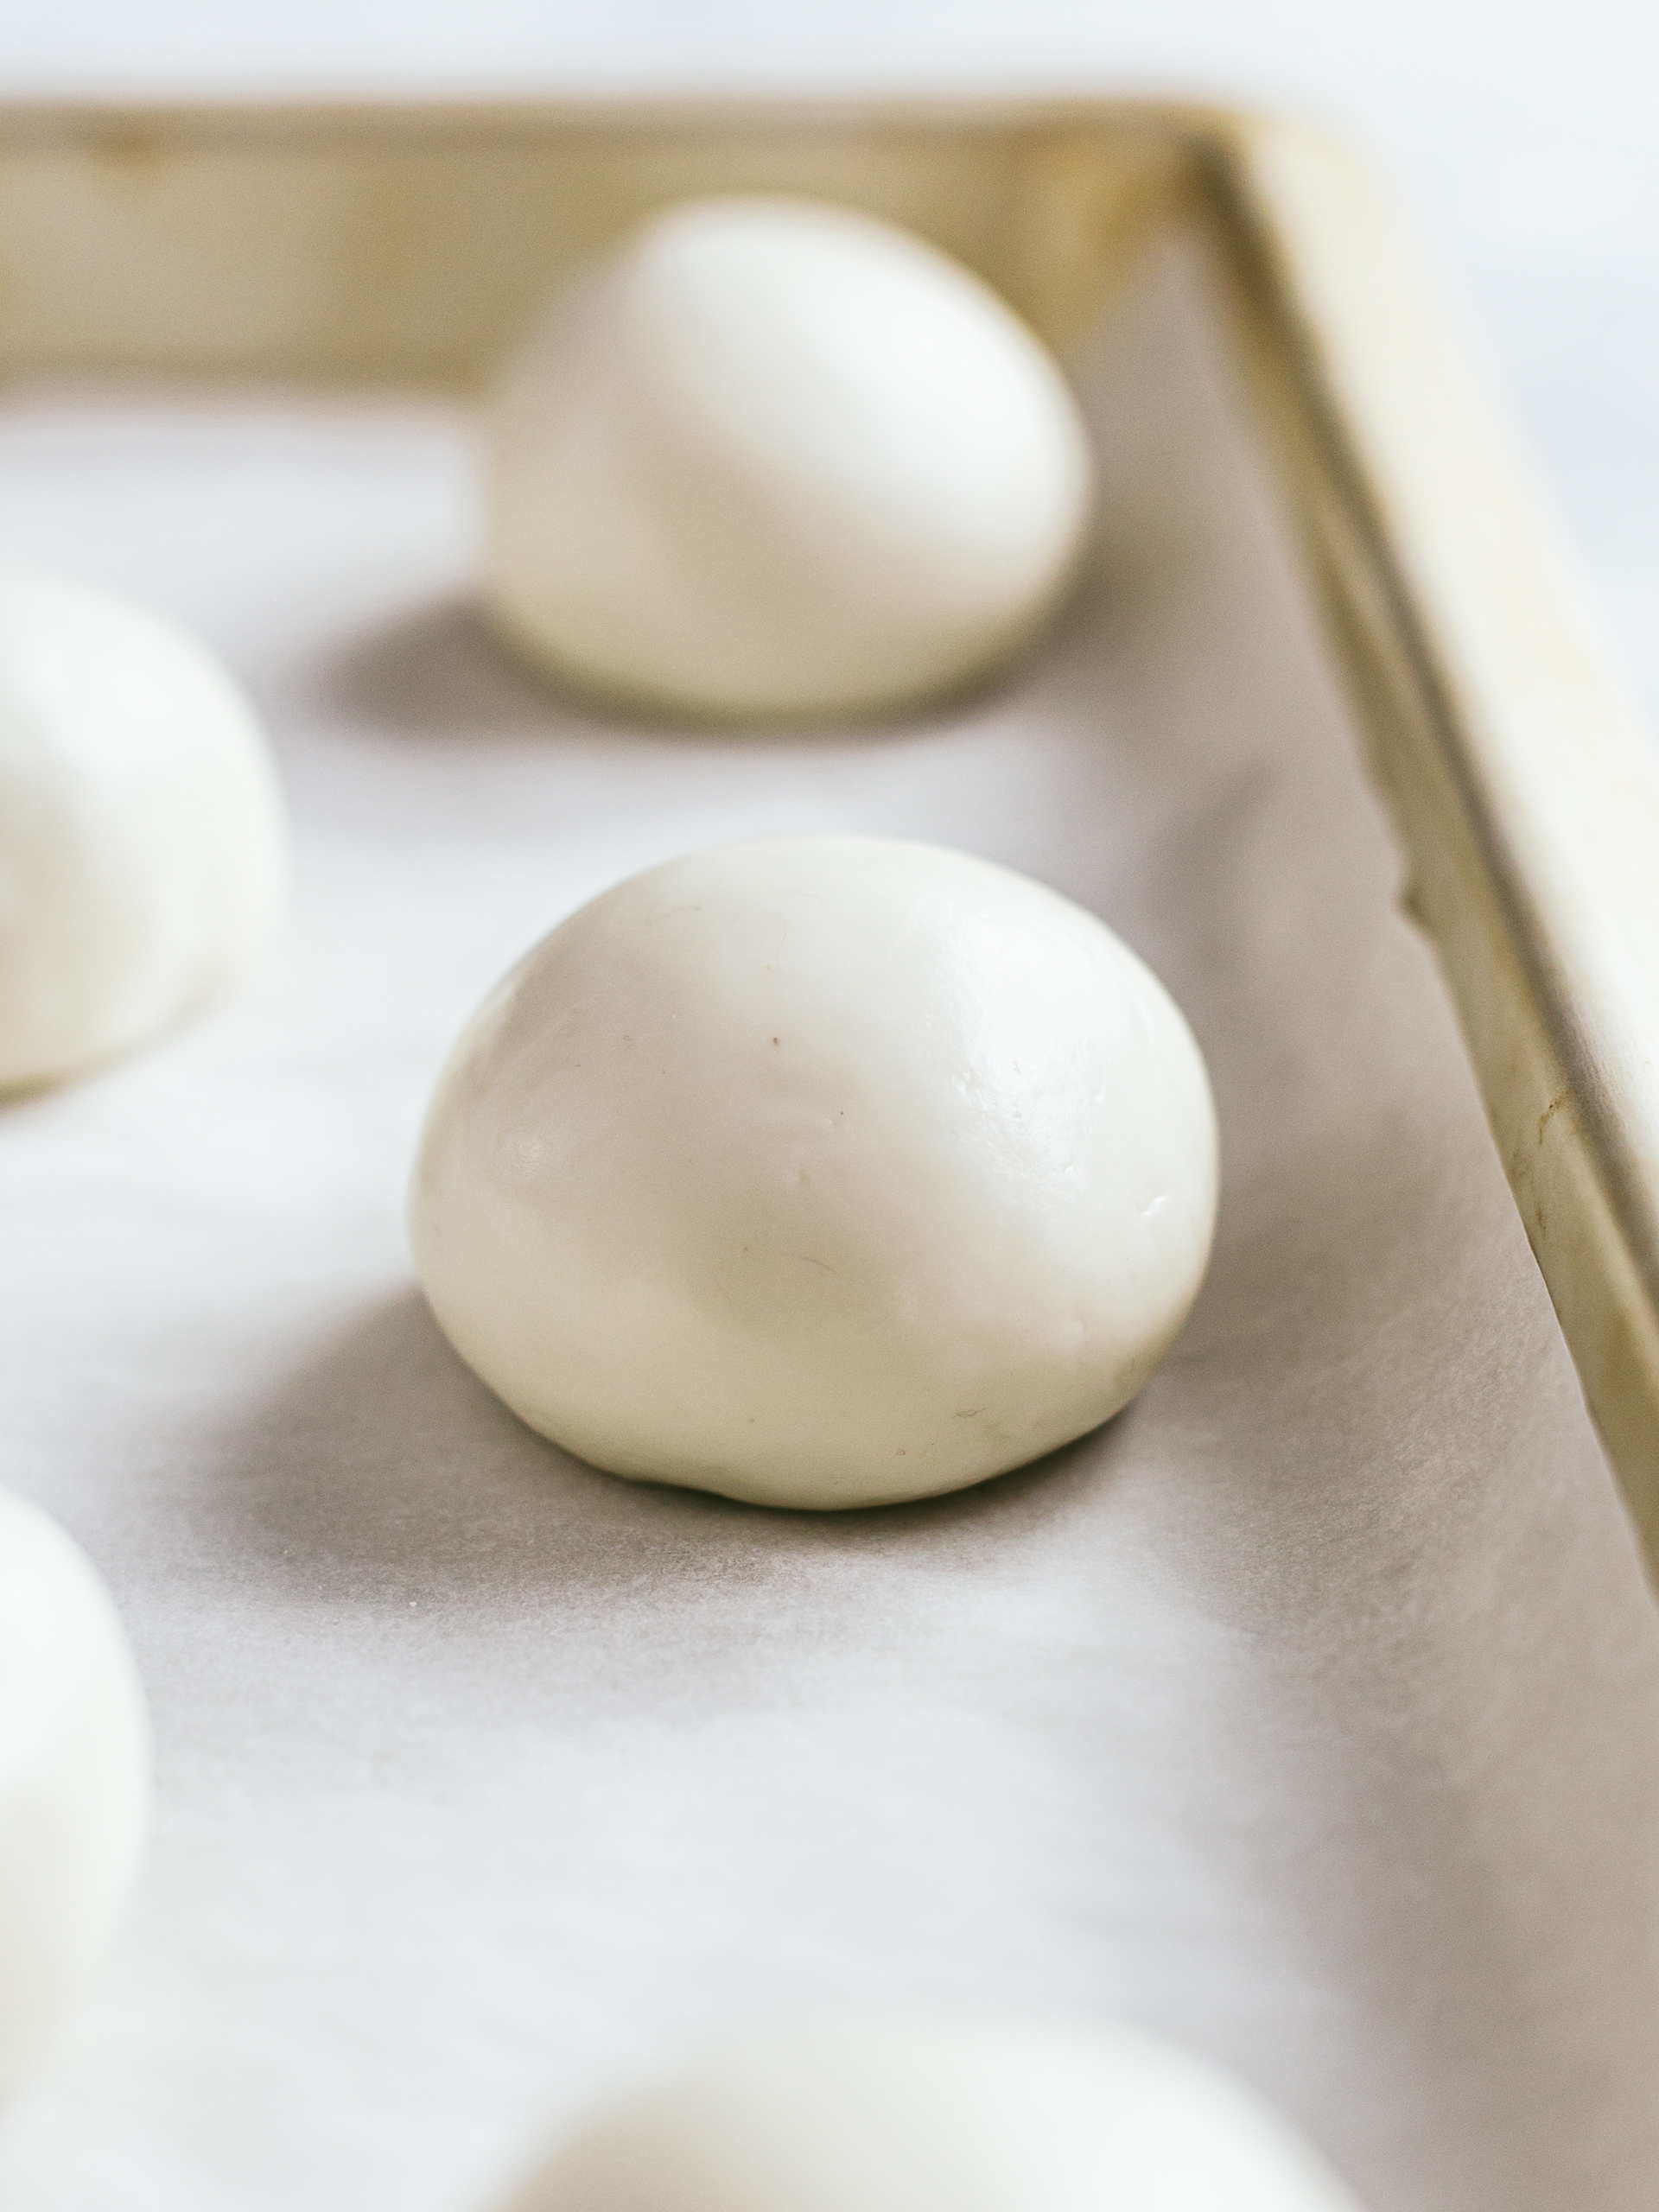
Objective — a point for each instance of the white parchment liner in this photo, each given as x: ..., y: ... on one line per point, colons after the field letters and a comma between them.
x: 1311, y: 1710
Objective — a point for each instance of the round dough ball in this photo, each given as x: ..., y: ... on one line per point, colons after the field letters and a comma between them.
x: 142, y: 861
x: 940, y: 2116
x: 821, y: 1171
x: 74, y: 1780
x: 779, y: 459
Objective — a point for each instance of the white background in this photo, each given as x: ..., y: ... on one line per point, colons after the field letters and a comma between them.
x: 1523, y: 135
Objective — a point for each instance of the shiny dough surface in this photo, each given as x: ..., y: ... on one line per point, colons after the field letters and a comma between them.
x: 903, y: 2114
x: 74, y: 1780
x: 822, y: 1172
x: 779, y: 459
x: 143, y: 852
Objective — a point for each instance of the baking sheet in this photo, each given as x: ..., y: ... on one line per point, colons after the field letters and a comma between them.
x: 1309, y: 1710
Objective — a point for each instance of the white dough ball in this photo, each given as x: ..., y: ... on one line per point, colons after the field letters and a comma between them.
x: 74, y: 1780
x: 143, y: 860
x: 780, y: 459
x: 821, y: 1171
x: 940, y: 2116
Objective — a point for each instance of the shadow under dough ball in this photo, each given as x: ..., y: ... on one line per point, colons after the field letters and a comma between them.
x: 821, y: 1171
x: 774, y: 459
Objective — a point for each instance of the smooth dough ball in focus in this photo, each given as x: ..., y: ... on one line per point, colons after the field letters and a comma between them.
x: 940, y: 2116
x: 821, y: 1171
x: 143, y: 859
x: 781, y: 460
x: 74, y: 1780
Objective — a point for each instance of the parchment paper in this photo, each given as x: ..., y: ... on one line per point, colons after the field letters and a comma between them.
x: 1310, y: 1710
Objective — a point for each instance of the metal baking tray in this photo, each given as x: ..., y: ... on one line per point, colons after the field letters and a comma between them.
x: 1304, y: 1710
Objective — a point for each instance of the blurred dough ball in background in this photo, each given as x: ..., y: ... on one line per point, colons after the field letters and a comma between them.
x: 939, y: 2115
x: 776, y: 460
x: 143, y: 854
x: 74, y: 1781
x: 819, y: 1171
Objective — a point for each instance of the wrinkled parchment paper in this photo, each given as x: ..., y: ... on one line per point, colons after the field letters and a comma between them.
x: 1310, y: 1710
